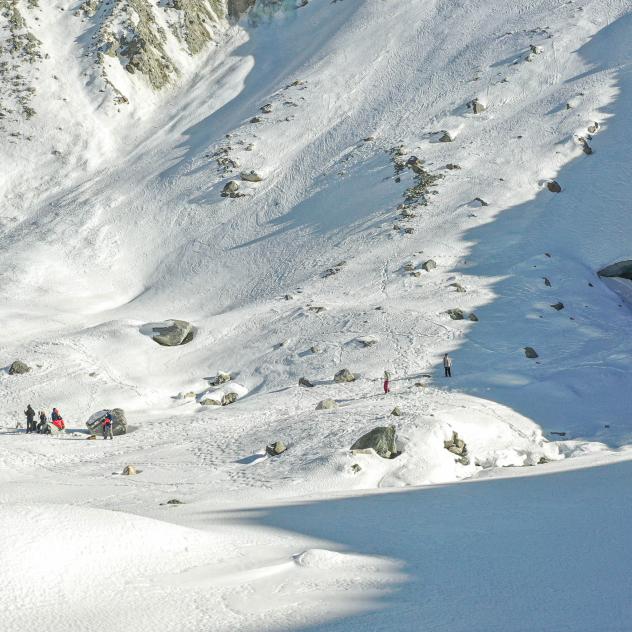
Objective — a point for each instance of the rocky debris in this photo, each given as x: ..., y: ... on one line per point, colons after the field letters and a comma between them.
x: 457, y: 446
x: 409, y: 267
x: 251, y: 176
x: 314, y: 349
x: 119, y: 421
x: 276, y: 448
x: 481, y: 201
x: 172, y: 333
x: 317, y: 309
x: 431, y: 264
x: 305, y: 382
x: 221, y: 378
x: 334, y: 270
x: 267, y: 108
x: 187, y: 395
x: 447, y: 137
x: 408, y: 230
x: 535, y: 50
x: 344, y: 375
x: 592, y: 129
x: 456, y: 313
x: 19, y: 368
x: 326, y: 404
x: 558, y: 306
x: 173, y: 501
x: 553, y: 186
x: 381, y: 439
x: 547, y: 282
x: 208, y: 401
x: 458, y: 287
x: 355, y: 468
x: 227, y: 164
x: 396, y: 412
x: 530, y: 352
x: 452, y: 166
x: 256, y: 119
x: 407, y: 213
x: 476, y: 106
x: 473, y: 317
x: 366, y: 342
x: 129, y: 470
x: 586, y: 148
x: 229, y: 398
x: 621, y: 269
x: 231, y: 189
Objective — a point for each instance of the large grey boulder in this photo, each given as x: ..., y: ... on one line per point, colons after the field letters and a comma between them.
x: 456, y: 314
x: 530, y: 352
x: 117, y: 415
x: 381, y: 439
x: 344, y: 375
x: 622, y: 270
x: 19, y: 368
x: 326, y: 404
x: 429, y: 265
x: 276, y: 448
x: 231, y: 189
x: 172, y: 333
x: 251, y: 176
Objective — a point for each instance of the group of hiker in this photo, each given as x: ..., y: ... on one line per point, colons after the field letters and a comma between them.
x: 447, y: 370
x: 57, y: 421
x: 43, y: 426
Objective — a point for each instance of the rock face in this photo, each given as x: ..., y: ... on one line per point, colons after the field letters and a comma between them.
x: 19, y: 368
x: 117, y: 415
x: 381, y: 439
x: 530, y: 352
x: 172, y: 333
x: 276, y: 448
x: 344, y: 376
x: 326, y: 404
x: 622, y: 270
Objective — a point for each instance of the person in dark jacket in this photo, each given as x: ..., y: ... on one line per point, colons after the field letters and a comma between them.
x: 30, y: 419
x: 447, y: 365
x: 41, y: 426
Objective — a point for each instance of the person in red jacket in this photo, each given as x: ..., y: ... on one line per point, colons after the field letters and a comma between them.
x: 106, y: 425
x: 57, y: 420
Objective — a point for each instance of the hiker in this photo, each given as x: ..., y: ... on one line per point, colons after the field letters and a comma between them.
x: 43, y: 422
x: 57, y: 420
x: 30, y: 419
x: 447, y: 365
x: 387, y: 382
x: 106, y: 425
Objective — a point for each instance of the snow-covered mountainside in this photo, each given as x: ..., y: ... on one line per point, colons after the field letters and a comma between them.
x: 311, y: 187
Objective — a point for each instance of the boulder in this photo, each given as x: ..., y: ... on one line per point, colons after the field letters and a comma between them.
x: 456, y: 314
x: 558, y: 306
x: 231, y: 189
x: 481, y: 201
x: 19, y: 368
x: 381, y: 439
x: 326, y: 404
x: 251, y: 176
x: 267, y: 108
x: 622, y: 270
x: 473, y: 317
x: 476, y: 106
x: 530, y: 352
x: 457, y: 446
x: 431, y: 264
x: 547, y: 282
x: 208, y: 401
x: 367, y: 342
x: 229, y: 398
x: 446, y: 137
x: 171, y: 333
x: 553, y: 186
x: 117, y: 415
x: 276, y: 448
x: 129, y: 470
x: 221, y: 378
x: 458, y: 287
x: 344, y: 375
x: 397, y: 411
x: 305, y: 382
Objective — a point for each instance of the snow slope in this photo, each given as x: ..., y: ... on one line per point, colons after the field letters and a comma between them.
x: 123, y: 225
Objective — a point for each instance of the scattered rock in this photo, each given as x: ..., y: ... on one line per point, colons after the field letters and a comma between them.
x: 409, y: 230
x: 381, y: 439
x: 251, y: 176
x: 229, y: 398
x: 19, y: 368
x: 207, y: 401
x: 117, y: 415
x: 455, y: 445
x: 481, y: 201
x: 344, y: 375
x: 221, y: 378
x: 536, y: 50
x: 558, y: 306
x: 447, y: 137
x: 473, y: 317
x: 456, y: 314
x: 396, y: 412
x: 173, y: 501
x: 256, y: 119
x: 129, y: 470
x: 621, y: 269
x: 355, y: 468
x: 305, y: 382
x: 553, y: 186
x: 326, y: 404
x: 231, y: 189
x: 546, y: 282
x: 530, y: 352
x: 592, y: 129
x: 452, y: 167
x: 476, y: 106
x: 367, y: 342
x: 314, y: 349
x: 317, y: 309
x: 409, y: 267
x: 171, y: 333
x: 276, y: 448
x: 267, y: 108
x: 458, y: 287
x: 543, y: 460
x: 431, y: 264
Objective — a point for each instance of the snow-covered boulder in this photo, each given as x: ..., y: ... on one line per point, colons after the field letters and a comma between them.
x: 344, y: 375
x: 381, y: 439
x: 117, y: 415
x: 222, y: 395
x: 170, y: 333
x: 326, y: 404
